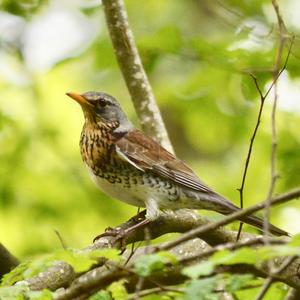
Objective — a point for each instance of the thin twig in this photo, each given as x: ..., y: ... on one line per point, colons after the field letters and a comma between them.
x: 262, y: 102
x: 139, y: 287
x: 230, y: 218
x: 270, y: 279
x: 155, y: 291
x: 273, y: 171
x: 231, y: 246
x: 133, y: 244
x: 133, y: 72
x: 61, y: 240
x: 141, y: 279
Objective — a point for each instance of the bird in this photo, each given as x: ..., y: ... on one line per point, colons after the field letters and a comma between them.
x: 132, y: 167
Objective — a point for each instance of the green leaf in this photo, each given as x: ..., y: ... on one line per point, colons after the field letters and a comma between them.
x: 27, y: 270
x: 83, y: 260
x: 225, y: 257
x: 202, y: 289
x: 101, y: 295
x: 168, y: 257
x: 200, y: 269
x: 13, y: 292
x: 40, y: 295
x: 14, y: 275
x: 166, y: 39
x: 118, y: 290
x: 22, y: 292
x: 269, y: 252
x: 108, y: 253
x: 241, y: 256
x: 79, y: 260
x: 236, y: 282
x: 295, y: 240
x: 147, y: 264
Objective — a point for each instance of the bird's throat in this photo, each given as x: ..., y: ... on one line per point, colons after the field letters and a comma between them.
x: 97, y: 143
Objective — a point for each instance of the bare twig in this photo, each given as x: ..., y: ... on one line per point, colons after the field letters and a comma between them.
x: 273, y: 171
x: 141, y: 279
x: 270, y: 278
x: 232, y: 246
x: 133, y: 249
x: 262, y: 102
x: 230, y: 218
x: 133, y: 71
x: 155, y: 291
x: 61, y: 240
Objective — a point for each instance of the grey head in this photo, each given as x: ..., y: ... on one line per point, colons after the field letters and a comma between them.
x: 102, y: 108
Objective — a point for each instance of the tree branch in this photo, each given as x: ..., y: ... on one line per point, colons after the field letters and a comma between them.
x: 179, y: 221
x: 7, y: 261
x: 101, y: 277
x: 133, y: 72
x: 59, y: 275
x: 270, y: 279
x: 293, y: 294
x: 230, y: 218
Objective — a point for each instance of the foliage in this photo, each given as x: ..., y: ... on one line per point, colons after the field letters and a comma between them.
x: 117, y: 290
x: 148, y: 264
x: 198, y: 69
x: 198, y: 55
x: 20, y: 292
x: 246, y: 255
x: 79, y: 260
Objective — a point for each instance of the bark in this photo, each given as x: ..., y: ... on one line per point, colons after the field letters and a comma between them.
x: 133, y: 72
x: 7, y: 261
x: 180, y: 221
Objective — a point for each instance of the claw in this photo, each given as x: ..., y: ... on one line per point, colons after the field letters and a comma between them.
x: 109, y: 231
x: 120, y: 234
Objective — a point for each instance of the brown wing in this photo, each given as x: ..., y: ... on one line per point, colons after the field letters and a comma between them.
x: 146, y: 154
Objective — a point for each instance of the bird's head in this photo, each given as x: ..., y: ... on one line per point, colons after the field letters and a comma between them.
x: 101, y: 108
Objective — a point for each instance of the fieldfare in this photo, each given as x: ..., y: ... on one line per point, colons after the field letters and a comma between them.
x: 130, y: 166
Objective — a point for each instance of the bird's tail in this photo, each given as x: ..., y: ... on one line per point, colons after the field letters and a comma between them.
x: 225, y: 207
x: 259, y: 223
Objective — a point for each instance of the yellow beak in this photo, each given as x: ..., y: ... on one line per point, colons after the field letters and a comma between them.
x: 80, y: 99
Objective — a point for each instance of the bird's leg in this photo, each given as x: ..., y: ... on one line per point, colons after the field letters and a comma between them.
x: 140, y: 220
x: 122, y: 232
x: 110, y: 231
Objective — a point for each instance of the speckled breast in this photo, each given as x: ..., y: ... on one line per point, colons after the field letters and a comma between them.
x: 118, y: 178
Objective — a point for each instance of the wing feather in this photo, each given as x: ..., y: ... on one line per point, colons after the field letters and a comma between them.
x: 146, y: 154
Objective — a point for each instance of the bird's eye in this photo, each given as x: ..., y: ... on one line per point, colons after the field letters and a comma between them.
x: 102, y: 103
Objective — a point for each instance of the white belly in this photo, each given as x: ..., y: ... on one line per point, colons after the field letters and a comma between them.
x: 150, y: 193
x: 136, y: 195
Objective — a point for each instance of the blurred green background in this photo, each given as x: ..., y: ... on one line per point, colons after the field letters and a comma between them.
x: 196, y: 54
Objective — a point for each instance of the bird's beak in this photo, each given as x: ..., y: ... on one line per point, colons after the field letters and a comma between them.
x: 80, y: 99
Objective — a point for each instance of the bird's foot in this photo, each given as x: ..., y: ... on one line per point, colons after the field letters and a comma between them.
x: 120, y: 235
x: 109, y: 231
